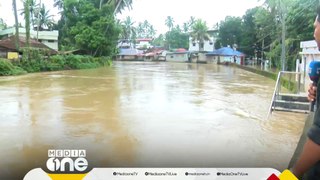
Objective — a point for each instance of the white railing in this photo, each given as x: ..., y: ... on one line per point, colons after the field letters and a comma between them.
x: 277, y: 89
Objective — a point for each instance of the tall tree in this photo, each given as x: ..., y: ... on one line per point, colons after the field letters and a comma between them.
x: 58, y: 3
x: 14, y: 5
x: 44, y: 18
x: 200, y: 33
x: 3, y: 25
x: 118, y: 5
x: 169, y: 22
x: 191, y: 21
x: 230, y: 31
x: 176, y: 39
x: 85, y: 27
x: 27, y: 21
x: 128, y: 29
x: 33, y: 8
x: 280, y: 9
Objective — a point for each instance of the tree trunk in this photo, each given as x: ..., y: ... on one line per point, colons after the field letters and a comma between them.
x: 27, y: 21
x: 101, y: 2
x: 14, y: 5
x: 38, y: 23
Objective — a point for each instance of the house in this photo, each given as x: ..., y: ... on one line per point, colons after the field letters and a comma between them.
x: 7, y: 46
x: 130, y: 55
x: 125, y: 44
x: 208, y: 45
x: 225, y: 55
x: 155, y: 54
x: 49, y: 38
x: 310, y: 52
x: 180, y: 55
x: 143, y: 43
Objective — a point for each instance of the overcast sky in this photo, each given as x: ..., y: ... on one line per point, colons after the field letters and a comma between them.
x: 212, y: 11
x: 155, y: 11
x: 6, y: 12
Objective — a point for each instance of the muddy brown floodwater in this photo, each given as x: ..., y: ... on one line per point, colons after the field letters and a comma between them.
x: 145, y: 115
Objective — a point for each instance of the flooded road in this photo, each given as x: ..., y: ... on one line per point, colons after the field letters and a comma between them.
x: 145, y: 115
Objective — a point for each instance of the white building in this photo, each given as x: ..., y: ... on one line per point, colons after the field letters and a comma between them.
x: 208, y: 45
x: 310, y: 52
x: 49, y: 38
x: 125, y: 44
x: 143, y: 43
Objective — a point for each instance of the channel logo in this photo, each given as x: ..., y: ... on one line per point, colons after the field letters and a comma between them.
x: 67, y: 161
x: 285, y: 175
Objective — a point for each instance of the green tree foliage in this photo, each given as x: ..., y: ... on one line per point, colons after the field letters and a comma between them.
x: 159, y: 41
x: 128, y: 30
x: 44, y: 19
x: 89, y: 28
x: 259, y: 32
x: 33, y: 8
x: 169, y: 22
x: 230, y: 31
x: 247, y: 42
x: 176, y: 39
x: 145, y: 30
x: 200, y: 33
x: 3, y: 25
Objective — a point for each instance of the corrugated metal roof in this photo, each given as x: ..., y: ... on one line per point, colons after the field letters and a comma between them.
x: 129, y: 52
x: 9, y: 43
x: 225, y: 51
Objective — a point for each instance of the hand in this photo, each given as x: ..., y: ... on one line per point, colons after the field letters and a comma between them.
x: 312, y: 92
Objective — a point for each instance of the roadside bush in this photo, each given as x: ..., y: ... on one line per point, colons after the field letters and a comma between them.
x: 73, y: 61
x: 105, y: 61
x: 34, y: 60
x: 7, y: 68
x: 58, y: 59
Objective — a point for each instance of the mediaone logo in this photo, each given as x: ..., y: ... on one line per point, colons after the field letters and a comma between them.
x: 67, y: 161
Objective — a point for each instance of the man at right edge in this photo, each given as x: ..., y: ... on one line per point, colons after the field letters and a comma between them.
x: 308, y: 164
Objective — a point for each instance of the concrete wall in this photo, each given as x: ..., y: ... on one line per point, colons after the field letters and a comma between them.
x: 208, y: 45
x: 308, y: 53
x: 177, y: 57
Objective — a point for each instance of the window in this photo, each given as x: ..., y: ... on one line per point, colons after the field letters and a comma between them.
x: 193, y: 44
x: 211, y: 43
x: 51, y: 41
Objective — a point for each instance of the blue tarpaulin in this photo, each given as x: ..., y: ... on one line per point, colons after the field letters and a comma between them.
x: 225, y: 51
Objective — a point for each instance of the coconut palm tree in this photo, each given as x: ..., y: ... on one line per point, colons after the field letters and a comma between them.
x: 33, y: 8
x: 58, y: 3
x: 169, y: 22
x: 200, y: 33
x: 15, y: 12
x: 119, y: 5
x: 191, y: 21
x: 127, y: 28
x: 152, y: 31
x: 3, y: 25
x: 44, y: 18
x: 27, y: 21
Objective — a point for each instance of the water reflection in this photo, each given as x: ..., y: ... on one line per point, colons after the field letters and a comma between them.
x: 145, y: 114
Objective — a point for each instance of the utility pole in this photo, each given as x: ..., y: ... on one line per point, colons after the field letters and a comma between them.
x: 283, y: 43
x: 283, y: 35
